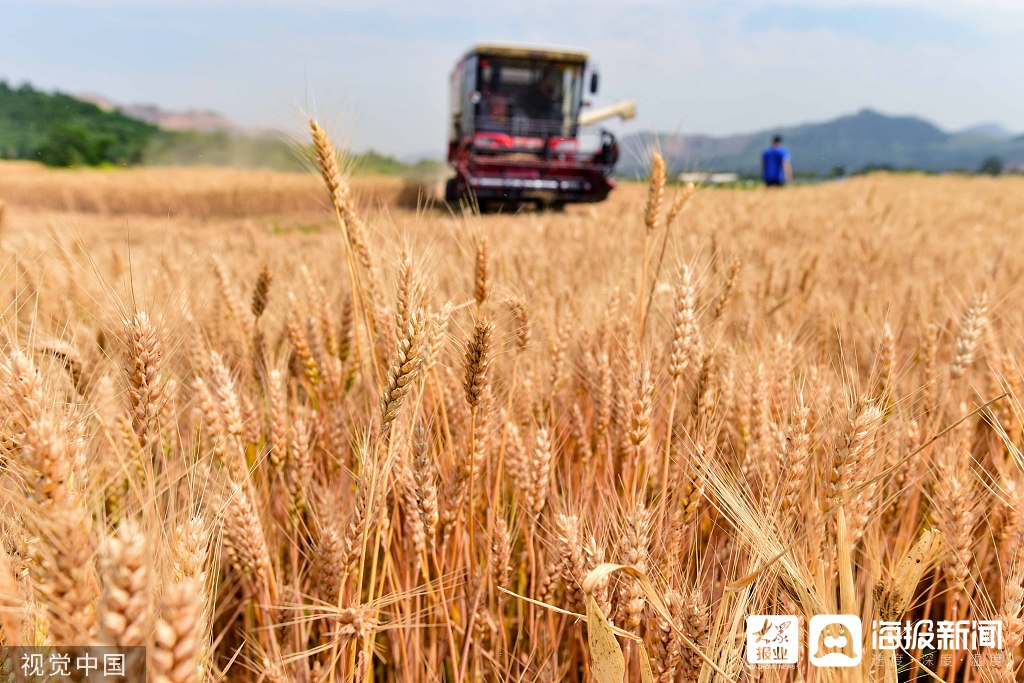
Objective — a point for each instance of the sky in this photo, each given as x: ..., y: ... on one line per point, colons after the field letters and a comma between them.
x: 377, y: 70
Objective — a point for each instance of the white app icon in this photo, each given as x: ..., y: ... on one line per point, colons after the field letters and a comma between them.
x: 772, y: 639
x: 835, y: 640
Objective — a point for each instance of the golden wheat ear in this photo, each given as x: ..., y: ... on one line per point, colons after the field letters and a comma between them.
x: 12, y: 609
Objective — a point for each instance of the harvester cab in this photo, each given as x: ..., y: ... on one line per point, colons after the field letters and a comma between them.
x: 518, y: 133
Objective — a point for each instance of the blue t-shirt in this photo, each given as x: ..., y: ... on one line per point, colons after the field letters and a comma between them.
x: 773, y: 164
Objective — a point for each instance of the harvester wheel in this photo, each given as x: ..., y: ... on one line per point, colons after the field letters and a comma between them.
x: 451, y: 191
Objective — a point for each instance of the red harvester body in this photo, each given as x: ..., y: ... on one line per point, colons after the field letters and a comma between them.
x: 514, y: 133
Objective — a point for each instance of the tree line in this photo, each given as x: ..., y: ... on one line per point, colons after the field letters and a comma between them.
x: 60, y: 130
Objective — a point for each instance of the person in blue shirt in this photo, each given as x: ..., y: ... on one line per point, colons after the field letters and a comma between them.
x: 775, y: 167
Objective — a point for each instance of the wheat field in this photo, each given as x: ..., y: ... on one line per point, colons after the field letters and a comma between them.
x: 276, y: 428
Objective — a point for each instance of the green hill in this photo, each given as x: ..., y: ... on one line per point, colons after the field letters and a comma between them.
x: 198, y: 148
x: 267, y: 150
x: 60, y: 130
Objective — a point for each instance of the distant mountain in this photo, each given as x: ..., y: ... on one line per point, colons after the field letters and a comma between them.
x: 851, y: 143
x: 192, y: 119
x: 992, y: 130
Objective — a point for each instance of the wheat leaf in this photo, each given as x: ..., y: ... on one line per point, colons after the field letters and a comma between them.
x: 608, y: 663
x: 646, y: 673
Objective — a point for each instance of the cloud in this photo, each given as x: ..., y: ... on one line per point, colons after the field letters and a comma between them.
x: 996, y: 15
x: 992, y: 14
x: 696, y: 65
x: 951, y: 6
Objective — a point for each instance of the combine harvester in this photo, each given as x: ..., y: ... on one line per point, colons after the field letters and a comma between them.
x: 515, y: 129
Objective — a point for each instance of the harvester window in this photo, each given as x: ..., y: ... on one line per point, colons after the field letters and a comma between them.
x: 528, y: 98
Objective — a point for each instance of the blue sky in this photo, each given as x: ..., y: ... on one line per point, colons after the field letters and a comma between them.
x: 376, y: 70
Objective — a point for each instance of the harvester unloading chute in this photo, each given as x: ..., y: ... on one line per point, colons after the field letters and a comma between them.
x: 625, y: 110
